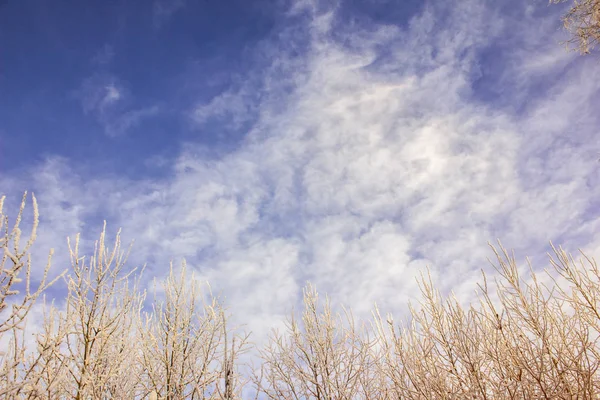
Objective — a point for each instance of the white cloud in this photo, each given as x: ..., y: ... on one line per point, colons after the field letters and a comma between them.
x: 99, y: 93
x: 377, y: 163
x: 232, y: 109
x: 107, y: 100
x: 129, y: 119
x: 113, y: 94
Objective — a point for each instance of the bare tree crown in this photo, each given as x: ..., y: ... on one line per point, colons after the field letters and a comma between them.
x: 529, y: 335
x: 582, y: 21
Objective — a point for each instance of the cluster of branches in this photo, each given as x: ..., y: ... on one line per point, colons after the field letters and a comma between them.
x: 532, y: 336
x: 582, y: 21
x: 101, y: 343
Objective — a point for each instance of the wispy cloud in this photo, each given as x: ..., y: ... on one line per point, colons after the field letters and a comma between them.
x: 100, y: 93
x: 231, y: 109
x: 369, y: 157
x: 130, y: 119
x: 106, y: 99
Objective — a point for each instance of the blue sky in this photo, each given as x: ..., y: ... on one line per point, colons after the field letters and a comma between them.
x: 271, y: 143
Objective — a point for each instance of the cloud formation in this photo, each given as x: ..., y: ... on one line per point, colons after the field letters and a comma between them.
x: 371, y: 155
x: 106, y: 99
x: 100, y: 93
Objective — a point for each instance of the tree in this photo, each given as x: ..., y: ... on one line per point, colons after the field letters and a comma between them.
x: 184, y: 352
x: 98, y: 343
x: 583, y: 23
x: 99, y: 352
x: 324, y: 356
x: 529, y: 340
x: 17, y: 298
x: 528, y: 336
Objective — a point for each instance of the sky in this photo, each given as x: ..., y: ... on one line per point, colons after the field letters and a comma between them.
x: 350, y: 144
